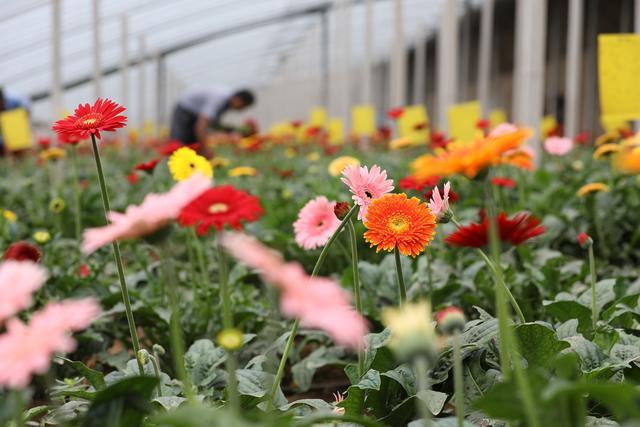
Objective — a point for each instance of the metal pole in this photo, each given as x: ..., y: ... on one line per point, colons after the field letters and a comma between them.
x: 419, y: 69
x: 636, y: 16
x: 161, y: 91
x: 367, y: 63
x: 97, y: 67
x: 484, y: 56
x: 573, y: 68
x: 142, y: 84
x: 447, y: 61
x: 324, y: 59
x: 124, y: 60
x: 344, y: 13
x: 56, y: 60
x: 464, y: 52
x: 398, y: 60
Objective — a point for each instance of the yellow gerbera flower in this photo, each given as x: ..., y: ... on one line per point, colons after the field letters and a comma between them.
x: 41, y: 236
x: 184, y: 162
x: 338, y: 164
x: 220, y: 162
x: 627, y: 161
x: 412, y: 329
x: 605, y: 149
x: 400, y: 143
x: 230, y: 339
x: 9, y: 215
x: 592, y: 187
x: 242, y: 171
x: 608, y: 137
x: 53, y: 153
x: 314, y: 156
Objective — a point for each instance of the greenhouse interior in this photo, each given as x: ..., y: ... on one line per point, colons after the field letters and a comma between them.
x: 297, y: 213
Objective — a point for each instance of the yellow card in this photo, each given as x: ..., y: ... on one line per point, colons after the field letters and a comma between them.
x: 610, y: 124
x: 16, y: 131
x: 547, y: 124
x: 463, y: 119
x: 282, y: 129
x: 618, y: 69
x: 497, y: 117
x: 318, y: 117
x: 414, y: 124
x: 149, y: 128
x: 336, y: 131
x: 363, y: 118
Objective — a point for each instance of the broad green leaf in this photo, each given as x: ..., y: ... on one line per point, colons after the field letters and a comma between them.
x: 304, y: 370
x: 605, y: 293
x: 590, y: 354
x: 434, y: 399
x: 565, y: 310
x: 369, y: 381
x: 169, y: 402
x: 202, y: 360
x: 95, y: 378
x: 538, y: 344
x: 404, y: 376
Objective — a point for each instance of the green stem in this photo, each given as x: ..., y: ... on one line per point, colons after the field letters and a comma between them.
x: 421, y: 368
x: 227, y: 322
x: 19, y: 416
x: 429, y: 276
x: 175, y: 330
x: 76, y: 192
x: 458, y: 379
x: 401, y: 286
x: 156, y: 370
x: 356, y: 287
x: 592, y: 274
x: 512, y: 299
x: 116, y: 254
x: 296, y: 323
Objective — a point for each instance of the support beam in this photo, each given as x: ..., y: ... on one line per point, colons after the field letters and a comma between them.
x: 124, y: 60
x: 324, y: 60
x: 97, y: 51
x: 529, y: 76
x: 419, y: 69
x: 161, y: 92
x: 344, y: 24
x: 56, y: 60
x: 398, y: 58
x: 573, y: 68
x: 142, y: 83
x: 367, y: 63
x: 447, y: 53
x: 485, y: 52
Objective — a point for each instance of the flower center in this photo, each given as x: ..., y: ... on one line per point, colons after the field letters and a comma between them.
x: 192, y: 165
x: 369, y: 195
x: 398, y: 224
x: 89, y: 121
x: 218, y: 208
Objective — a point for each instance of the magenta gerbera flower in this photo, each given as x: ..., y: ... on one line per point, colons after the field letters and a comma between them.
x: 316, y: 223
x: 366, y: 185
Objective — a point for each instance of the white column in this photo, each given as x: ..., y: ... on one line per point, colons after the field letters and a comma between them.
x: 529, y: 77
x: 398, y: 58
x: 344, y: 37
x: 485, y: 56
x: 447, y: 52
x: 573, y: 68
x: 97, y: 66
x: 56, y: 60
x: 142, y: 83
x: 367, y: 62
x: 124, y: 60
x: 419, y: 69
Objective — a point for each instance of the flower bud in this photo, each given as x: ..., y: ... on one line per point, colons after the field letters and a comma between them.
x: 56, y: 205
x: 41, y: 237
x: 143, y: 357
x: 341, y: 209
x: 450, y: 320
x: 230, y: 339
x: 158, y: 349
x: 584, y: 240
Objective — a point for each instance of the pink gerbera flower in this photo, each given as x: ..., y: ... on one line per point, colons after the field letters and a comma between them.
x: 366, y: 185
x: 317, y: 302
x: 26, y: 349
x: 503, y: 129
x: 18, y: 281
x: 316, y: 223
x: 558, y: 146
x: 155, y: 211
x: 439, y: 205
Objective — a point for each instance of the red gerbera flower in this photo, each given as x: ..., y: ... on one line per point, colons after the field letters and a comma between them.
x: 44, y: 142
x: 516, y: 230
x: 170, y: 146
x: 84, y: 271
x: 438, y: 140
x: 147, y: 166
x: 483, y: 124
x: 132, y: 178
x: 384, y: 132
x: 296, y: 123
x: 395, y: 113
x: 22, y: 251
x: 420, y: 126
x: 69, y: 139
x: 582, y: 138
x: 503, y: 181
x: 410, y: 183
x: 89, y: 120
x: 220, y: 206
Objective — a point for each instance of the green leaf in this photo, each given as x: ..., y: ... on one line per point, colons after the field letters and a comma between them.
x: 538, y: 344
x: 95, y: 378
x: 169, y: 402
x: 434, y: 399
x: 369, y: 381
x: 564, y: 310
x: 605, y: 293
x: 36, y: 411
x: 404, y: 376
x: 202, y: 360
x: 590, y: 354
x: 124, y: 403
x: 304, y: 370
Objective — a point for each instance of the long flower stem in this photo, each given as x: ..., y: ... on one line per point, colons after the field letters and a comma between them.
x: 427, y: 254
x: 76, y: 192
x: 421, y: 368
x: 116, y: 254
x: 175, y: 330
x: 356, y: 287
x: 592, y: 274
x: 227, y: 322
x: 458, y: 382
x: 296, y: 323
x: 156, y: 370
x: 402, y: 289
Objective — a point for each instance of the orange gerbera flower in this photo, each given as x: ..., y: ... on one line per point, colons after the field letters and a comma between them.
x: 468, y: 158
x: 394, y: 220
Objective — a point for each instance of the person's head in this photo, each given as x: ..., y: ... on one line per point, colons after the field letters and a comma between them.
x: 2, y: 105
x: 241, y: 99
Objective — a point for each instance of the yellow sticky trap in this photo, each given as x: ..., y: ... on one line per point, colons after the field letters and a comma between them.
x: 281, y: 129
x: 547, y: 125
x: 149, y: 128
x: 318, y: 117
x: 612, y: 124
x: 496, y: 117
x: 16, y: 131
x: 414, y: 124
x: 618, y: 69
x: 463, y: 119
x: 336, y: 131
x: 363, y: 118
